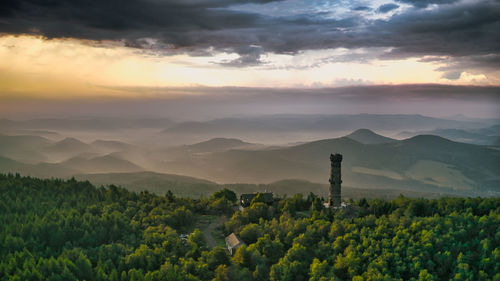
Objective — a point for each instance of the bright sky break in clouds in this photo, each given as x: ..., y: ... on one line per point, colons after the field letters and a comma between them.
x: 93, y: 49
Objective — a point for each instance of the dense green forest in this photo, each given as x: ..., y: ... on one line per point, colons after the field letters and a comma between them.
x: 71, y: 230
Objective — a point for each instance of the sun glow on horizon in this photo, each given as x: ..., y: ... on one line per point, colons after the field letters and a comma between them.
x: 33, y: 67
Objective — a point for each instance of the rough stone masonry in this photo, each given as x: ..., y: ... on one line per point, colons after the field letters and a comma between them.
x: 335, y: 180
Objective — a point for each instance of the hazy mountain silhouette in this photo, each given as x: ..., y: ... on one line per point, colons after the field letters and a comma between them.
x: 37, y: 170
x: 483, y: 136
x: 102, y: 164
x: 25, y: 148
x: 317, y: 123
x: 69, y: 145
x: 422, y: 163
x: 110, y: 145
x: 155, y: 182
x: 219, y: 144
x: 367, y: 136
x: 9, y: 165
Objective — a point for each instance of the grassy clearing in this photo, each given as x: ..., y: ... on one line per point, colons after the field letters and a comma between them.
x: 439, y: 174
x: 219, y: 237
x: 384, y: 173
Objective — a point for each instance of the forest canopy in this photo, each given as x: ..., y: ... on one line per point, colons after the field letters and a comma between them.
x: 70, y: 230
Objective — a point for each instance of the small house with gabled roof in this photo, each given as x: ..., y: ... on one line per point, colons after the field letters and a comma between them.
x: 233, y: 242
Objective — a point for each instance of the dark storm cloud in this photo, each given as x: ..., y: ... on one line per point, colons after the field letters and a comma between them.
x: 361, y: 8
x: 387, y: 8
x: 193, y: 26
x: 451, y: 32
x: 452, y: 75
x: 425, y: 3
x: 249, y: 55
x: 116, y: 19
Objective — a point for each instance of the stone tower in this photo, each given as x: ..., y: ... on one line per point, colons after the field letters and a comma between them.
x: 335, y: 180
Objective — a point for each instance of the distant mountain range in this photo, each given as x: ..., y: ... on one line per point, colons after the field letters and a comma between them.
x: 70, y: 155
x: 219, y: 144
x: 422, y: 163
x: 159, y: 183
x: 261, y: 129
x: 304, y: 128
x: 367, y: 136
x: 483, y: 136
x: 24, y: 148
x: 319, y: 123
x: 101, y: 163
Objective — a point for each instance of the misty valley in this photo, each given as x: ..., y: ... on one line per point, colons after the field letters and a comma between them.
x: 412, y: 155
x: 409, y: 197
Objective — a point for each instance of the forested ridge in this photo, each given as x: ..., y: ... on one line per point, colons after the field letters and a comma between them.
x: 70, y: 230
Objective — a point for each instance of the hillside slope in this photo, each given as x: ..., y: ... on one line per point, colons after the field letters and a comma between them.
x: 367, y: 136
x: 154, y: 182
x: 423, y: 163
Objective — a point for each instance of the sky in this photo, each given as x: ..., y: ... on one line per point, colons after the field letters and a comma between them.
x: 58, y: 53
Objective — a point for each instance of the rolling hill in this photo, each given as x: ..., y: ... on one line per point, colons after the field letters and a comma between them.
x: 43, y: 170
x: 218, y: 144
x: 195, y: 188
x: 367, y: 136
x: 110, y: 145
x: 483, y: 136
x: 422, y: 163
x: 69, y: 146
x: 155, y: 182
x: 107, y: 163
x: 24, y: 148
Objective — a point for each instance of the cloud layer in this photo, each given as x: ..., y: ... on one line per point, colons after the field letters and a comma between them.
x: 466, y: 31
x: 199, y: 103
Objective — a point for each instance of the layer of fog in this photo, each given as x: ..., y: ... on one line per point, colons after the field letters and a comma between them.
x: 206, y: 103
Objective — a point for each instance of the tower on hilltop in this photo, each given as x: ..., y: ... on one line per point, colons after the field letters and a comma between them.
x: 335, y: 180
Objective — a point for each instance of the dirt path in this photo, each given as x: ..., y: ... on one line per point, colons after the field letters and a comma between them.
x: 207, y: 231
